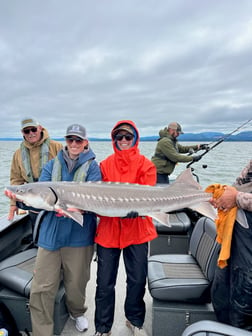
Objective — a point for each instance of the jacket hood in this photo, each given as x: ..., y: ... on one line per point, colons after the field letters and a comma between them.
x: 135, y: 131
x: 163, y: 132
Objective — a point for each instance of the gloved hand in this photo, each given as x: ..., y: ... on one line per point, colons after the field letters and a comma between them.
x: 204, y: 146
x: 196, y: 158
x: 131, y: 214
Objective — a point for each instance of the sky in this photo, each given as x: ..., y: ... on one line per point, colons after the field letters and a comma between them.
x: 95, y: 62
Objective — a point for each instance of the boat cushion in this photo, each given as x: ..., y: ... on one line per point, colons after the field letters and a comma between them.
x: 16, y: 272
x: 175, y: 277
x: 186, y: 277
x: 180, y: 223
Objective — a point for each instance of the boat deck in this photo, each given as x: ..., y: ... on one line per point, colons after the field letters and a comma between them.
x: 119, y: 327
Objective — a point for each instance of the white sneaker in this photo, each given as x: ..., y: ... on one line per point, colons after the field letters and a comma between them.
x: 135, y: 330
x: 139, y: 332
x: 81, y: 323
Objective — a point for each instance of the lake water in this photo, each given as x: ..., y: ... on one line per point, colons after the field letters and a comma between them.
x: 223, y: 163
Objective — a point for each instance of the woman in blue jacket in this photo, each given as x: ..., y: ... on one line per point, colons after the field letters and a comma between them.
x: 65, y: 247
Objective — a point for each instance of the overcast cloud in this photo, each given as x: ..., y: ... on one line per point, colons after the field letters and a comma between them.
x: 99, y: 61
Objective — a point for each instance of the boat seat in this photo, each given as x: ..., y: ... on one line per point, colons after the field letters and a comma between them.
x: 180, y: 223
x: 186, y: 277
x: 16, y: 274
x: 174, y: 239
x: 212, y: 328
x: 16, y: 271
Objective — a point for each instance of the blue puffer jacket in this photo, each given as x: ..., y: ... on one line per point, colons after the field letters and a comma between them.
x: 57, y: 232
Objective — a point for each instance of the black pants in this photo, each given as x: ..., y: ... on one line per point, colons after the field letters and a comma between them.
x: 163, y: 178
x: 232, y: 286
x: 135, y: 261
x: 232, y: 296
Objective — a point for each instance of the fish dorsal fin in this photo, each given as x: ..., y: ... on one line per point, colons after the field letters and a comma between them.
x: 186, y: 177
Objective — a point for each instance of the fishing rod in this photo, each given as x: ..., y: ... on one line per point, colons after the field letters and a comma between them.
x: 220, y: 141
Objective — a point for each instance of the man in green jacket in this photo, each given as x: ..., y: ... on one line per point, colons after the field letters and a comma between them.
x: 167, y: 153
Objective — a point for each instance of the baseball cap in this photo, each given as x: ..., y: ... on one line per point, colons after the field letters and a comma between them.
x: 77, y: 130
x: 29, y: 122
x: 176, y: 126
x: 124, y: 127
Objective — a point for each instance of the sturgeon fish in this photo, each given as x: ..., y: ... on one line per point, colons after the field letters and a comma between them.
x: 116, y: 199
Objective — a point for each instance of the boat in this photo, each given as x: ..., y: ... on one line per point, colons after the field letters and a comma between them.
x: 173, y: 303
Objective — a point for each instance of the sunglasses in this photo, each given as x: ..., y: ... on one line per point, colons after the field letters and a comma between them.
x: 71, y: 140
x: 119, y: 137
x: 28, y: 130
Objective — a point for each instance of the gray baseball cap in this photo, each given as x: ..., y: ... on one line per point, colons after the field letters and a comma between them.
x: 76, y: 130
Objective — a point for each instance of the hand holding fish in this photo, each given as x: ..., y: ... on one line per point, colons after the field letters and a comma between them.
x: 63, y: 213
x: 75, y: 210
x: 131, y: 215
x: 10, y: 194
x: 13, y: 208
x: 227, y: 200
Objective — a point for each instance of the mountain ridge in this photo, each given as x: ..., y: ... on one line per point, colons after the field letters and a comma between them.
x: 203, y: 136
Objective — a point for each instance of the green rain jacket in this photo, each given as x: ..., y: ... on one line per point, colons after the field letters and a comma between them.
x: 167, y: 153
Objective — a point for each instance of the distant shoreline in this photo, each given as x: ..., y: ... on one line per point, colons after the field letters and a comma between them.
x: 151, y: 139
x: 143, y: 139
x: 202, y: 137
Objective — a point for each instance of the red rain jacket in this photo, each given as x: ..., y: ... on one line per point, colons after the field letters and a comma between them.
x: 126, y: 166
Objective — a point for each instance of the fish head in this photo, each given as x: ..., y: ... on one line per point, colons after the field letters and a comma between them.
x: 42, y: 197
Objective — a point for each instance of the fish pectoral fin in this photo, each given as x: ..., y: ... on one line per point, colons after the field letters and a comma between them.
x: 70, y: 211
x: 76, y: 216
x: 161, y: 217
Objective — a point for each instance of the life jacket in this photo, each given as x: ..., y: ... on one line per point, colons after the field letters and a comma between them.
x: 79, y: 175
x: 44, y: 157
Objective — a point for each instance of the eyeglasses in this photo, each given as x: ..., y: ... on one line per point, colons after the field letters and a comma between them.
x: 77, y: 140
x: 28, y: 130
x: 119, y: 137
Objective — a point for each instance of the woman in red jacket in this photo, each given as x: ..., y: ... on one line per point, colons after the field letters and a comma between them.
x: 130, y: 234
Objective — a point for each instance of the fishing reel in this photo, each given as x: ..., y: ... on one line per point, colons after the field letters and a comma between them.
x: 204, y: 166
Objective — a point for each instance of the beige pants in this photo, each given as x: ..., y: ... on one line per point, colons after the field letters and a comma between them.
x: 74, y: 262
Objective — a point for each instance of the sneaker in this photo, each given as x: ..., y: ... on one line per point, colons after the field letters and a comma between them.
x: 102, y: 334
x: 81, y: 323
x: 136, y: 331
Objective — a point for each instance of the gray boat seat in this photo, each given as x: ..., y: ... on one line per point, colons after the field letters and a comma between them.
x: 212, y: 328
x: 16, y: 271
x: 186, y: 277
x: 180, y: 223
